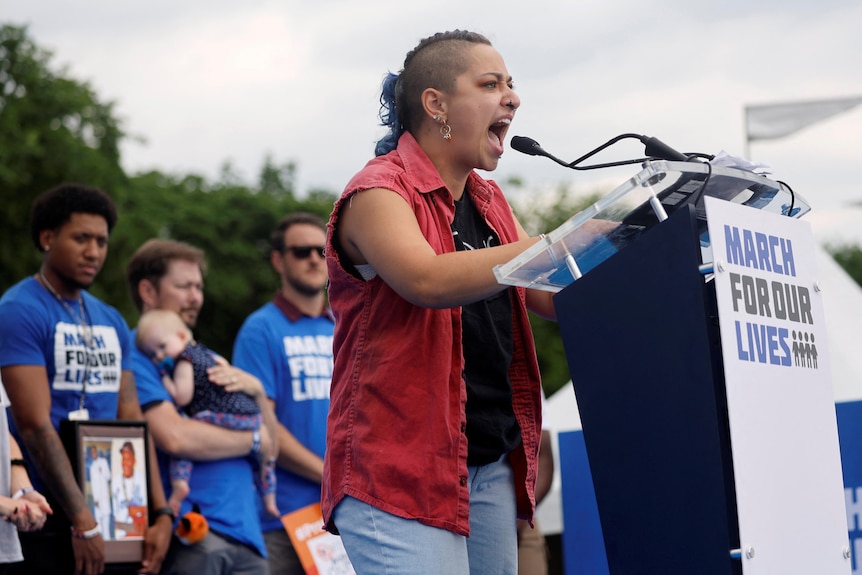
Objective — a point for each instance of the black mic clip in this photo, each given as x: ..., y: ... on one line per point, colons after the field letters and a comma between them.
x: 655, y: 148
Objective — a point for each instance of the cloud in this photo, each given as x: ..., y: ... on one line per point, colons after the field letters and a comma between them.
x: 205, y: 82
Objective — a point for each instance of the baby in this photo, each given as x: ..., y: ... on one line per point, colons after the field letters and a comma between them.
x: 183, y: 363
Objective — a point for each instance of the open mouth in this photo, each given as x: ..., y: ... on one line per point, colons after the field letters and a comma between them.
x: 496, y: 133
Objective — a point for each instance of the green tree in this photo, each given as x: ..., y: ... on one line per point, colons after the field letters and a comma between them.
x: 231, y: 222
x: 277, y: 181
x: 53, y: 129
x: 848, y: 257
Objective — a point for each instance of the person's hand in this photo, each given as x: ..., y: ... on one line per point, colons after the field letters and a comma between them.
x: 89, y: 555
x: 270, y: 505
x: 156, y: 543
x: 14, y: 512
x: 33, y: 513
x: 233, y: 379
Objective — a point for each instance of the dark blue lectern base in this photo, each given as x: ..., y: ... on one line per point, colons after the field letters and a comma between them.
x: 642, y: 342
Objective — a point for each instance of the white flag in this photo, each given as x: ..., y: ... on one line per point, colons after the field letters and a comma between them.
x: 770, y: 121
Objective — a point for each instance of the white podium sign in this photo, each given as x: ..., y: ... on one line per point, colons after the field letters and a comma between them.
x: 781, y: 410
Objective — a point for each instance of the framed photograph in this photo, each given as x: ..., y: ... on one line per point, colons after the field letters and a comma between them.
x: 110, y: 462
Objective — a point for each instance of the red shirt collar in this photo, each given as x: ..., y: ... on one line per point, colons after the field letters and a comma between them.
x: 292, y: 312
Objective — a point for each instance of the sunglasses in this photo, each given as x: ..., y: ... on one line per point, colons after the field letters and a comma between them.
x: 304, y: 252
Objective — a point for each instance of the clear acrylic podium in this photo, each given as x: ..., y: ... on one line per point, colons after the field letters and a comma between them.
x: 659, y: 189
x: 639, y: 324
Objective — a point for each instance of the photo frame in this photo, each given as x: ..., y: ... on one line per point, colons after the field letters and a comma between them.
x: 111, y: 465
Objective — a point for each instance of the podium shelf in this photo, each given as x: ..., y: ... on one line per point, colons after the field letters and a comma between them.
x: 619, y: 218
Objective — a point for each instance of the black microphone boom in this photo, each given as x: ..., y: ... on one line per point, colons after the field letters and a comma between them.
x: 531, y: 147
x: 654, y: 148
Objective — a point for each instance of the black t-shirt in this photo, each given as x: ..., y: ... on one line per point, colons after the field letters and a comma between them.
x: 492, y: 429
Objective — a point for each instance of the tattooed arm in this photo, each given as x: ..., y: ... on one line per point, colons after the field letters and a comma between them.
x: 30, y: 396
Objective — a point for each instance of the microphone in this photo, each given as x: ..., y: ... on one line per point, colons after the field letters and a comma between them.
x: 527, y: 146
x: 654, y: 148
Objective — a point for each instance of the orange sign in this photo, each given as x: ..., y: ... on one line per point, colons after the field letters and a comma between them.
x: 320, y: 552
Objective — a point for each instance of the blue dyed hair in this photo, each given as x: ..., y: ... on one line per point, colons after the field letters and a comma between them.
x: 434, y: 63
x: 389, y: 116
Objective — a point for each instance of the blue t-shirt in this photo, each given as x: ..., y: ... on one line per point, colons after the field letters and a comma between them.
x: 223, y: 489
x: 36, y: 329
x: 293, y: 360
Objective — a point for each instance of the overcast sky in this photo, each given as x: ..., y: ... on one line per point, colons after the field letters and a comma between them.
x: 202, y: 82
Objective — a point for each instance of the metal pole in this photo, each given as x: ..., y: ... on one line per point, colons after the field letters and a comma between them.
x: 747, y: 149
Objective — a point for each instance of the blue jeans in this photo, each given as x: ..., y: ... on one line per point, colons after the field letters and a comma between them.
x: 379, y: 543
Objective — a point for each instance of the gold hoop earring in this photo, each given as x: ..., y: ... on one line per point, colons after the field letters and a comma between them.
x: 446, y: 132
x: 445, y: 129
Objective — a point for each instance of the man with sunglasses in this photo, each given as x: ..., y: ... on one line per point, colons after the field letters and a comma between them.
x: 287, y: 344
